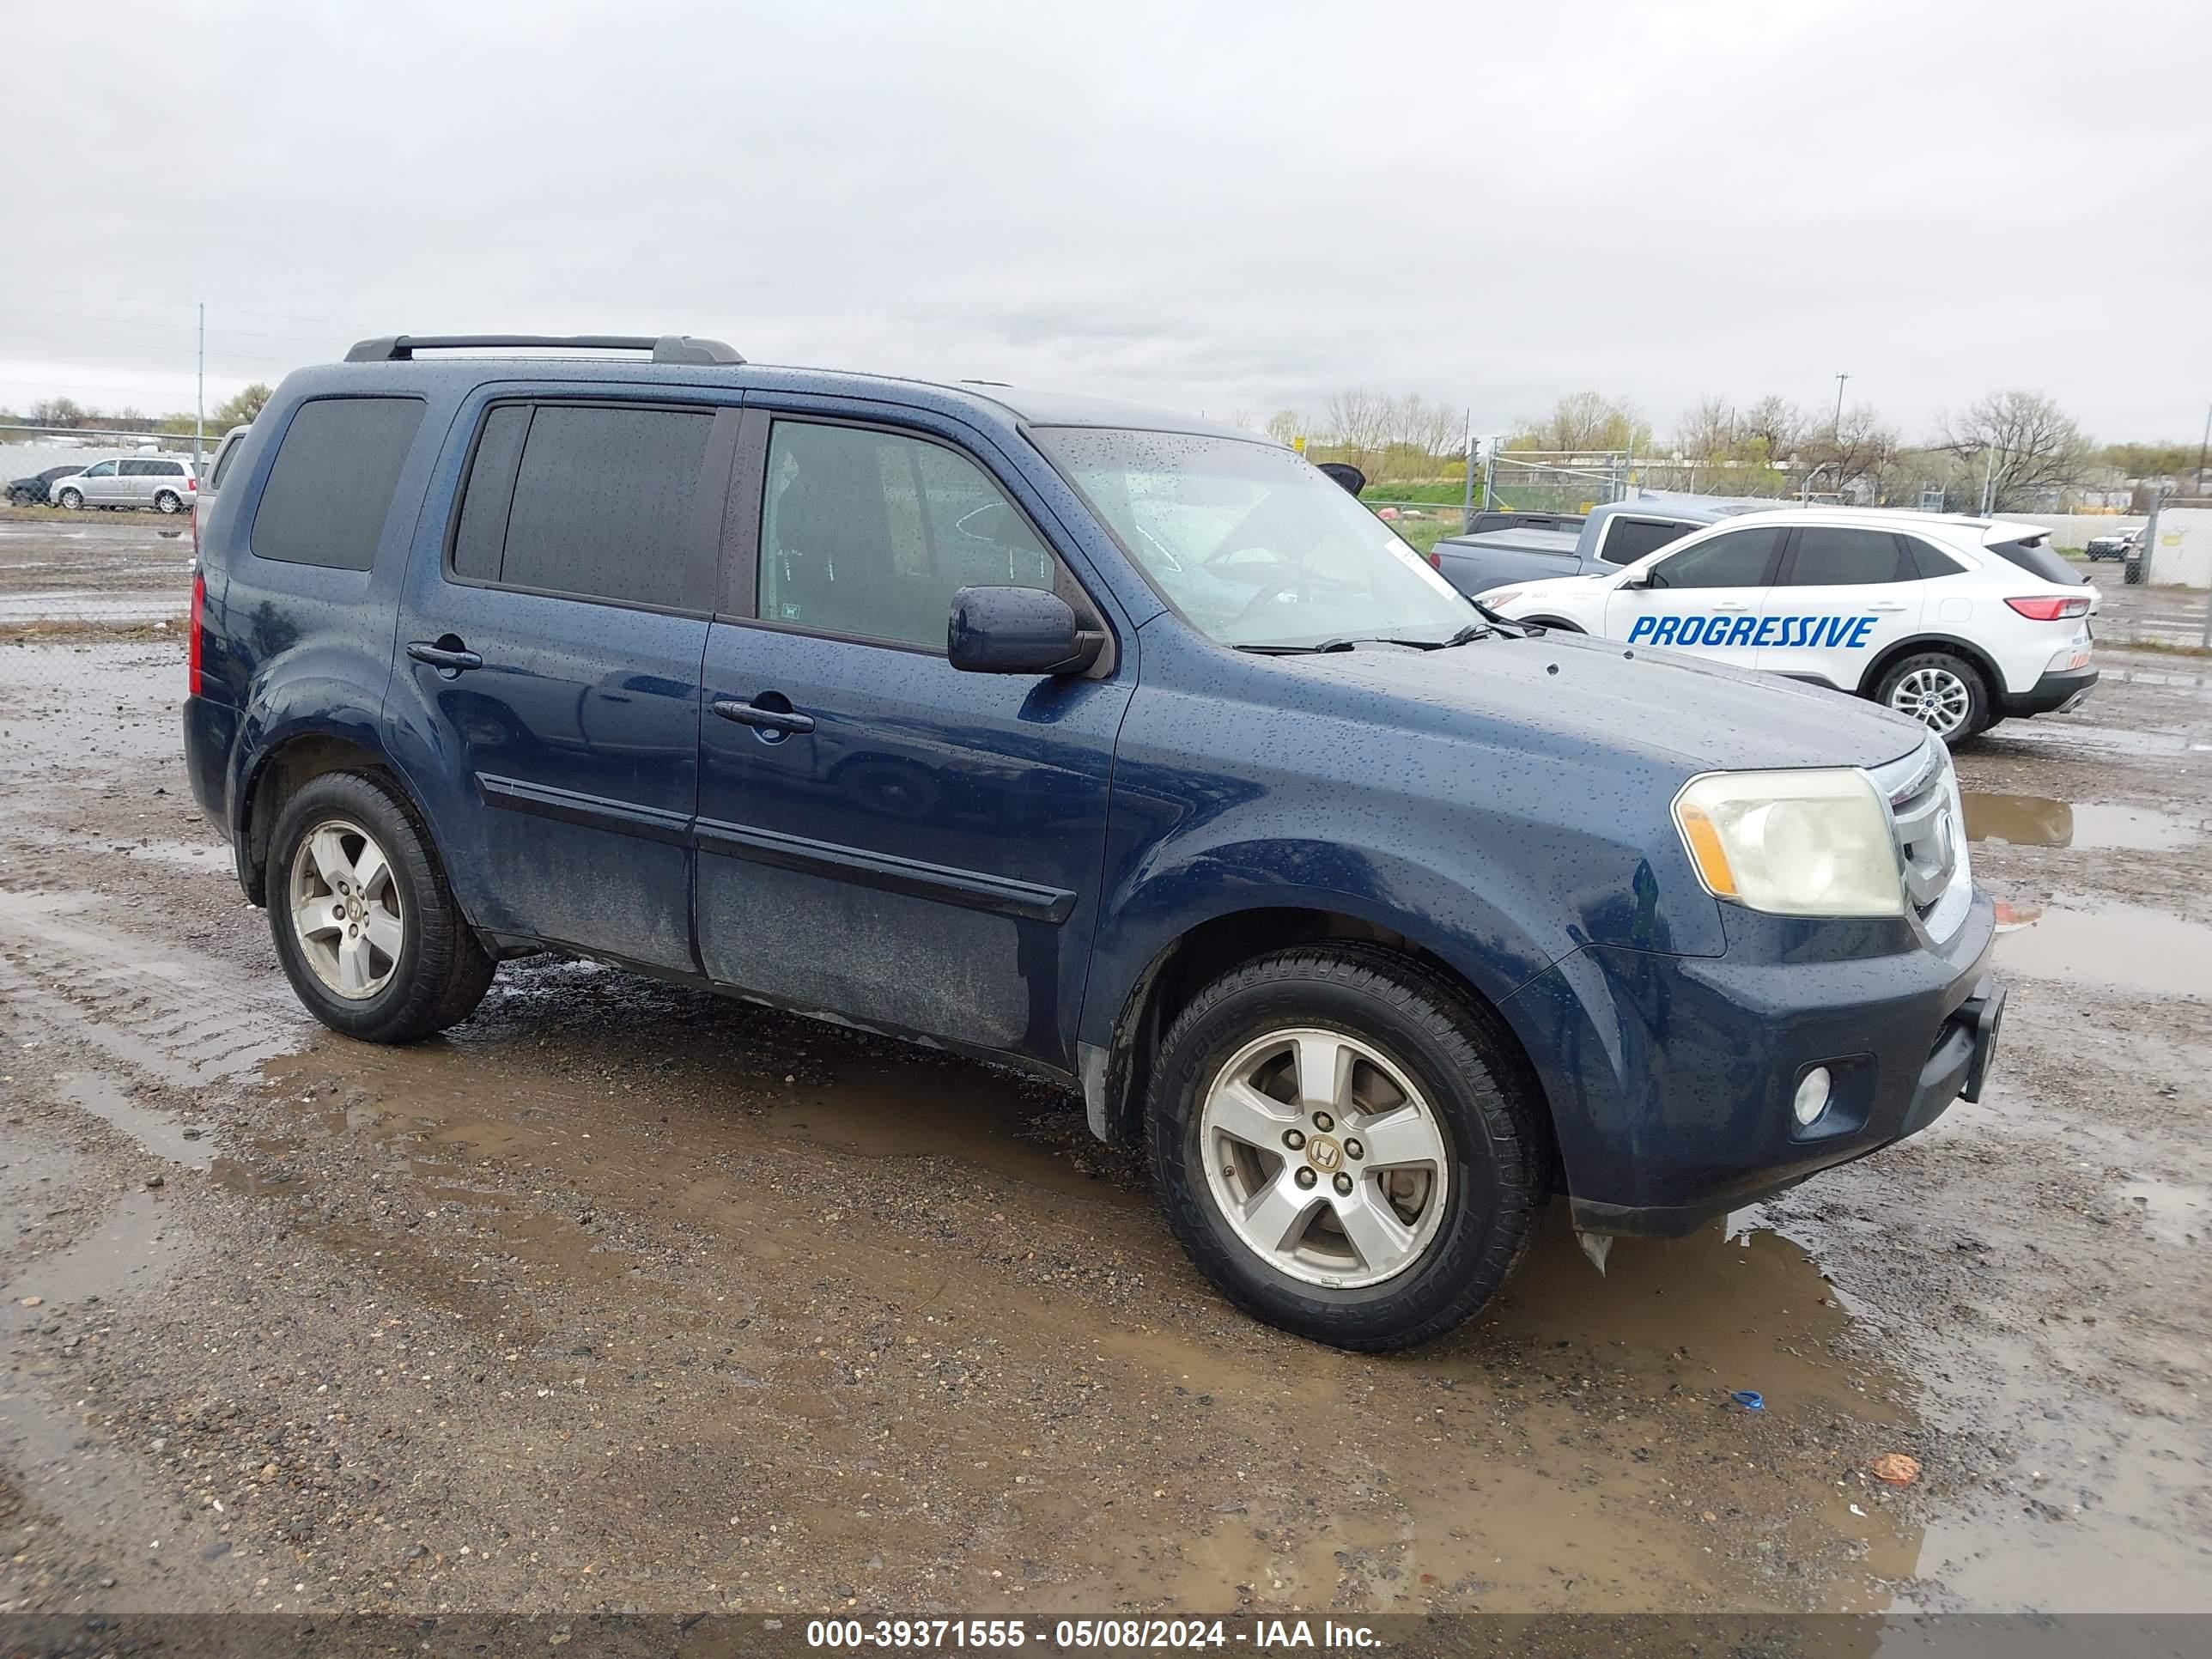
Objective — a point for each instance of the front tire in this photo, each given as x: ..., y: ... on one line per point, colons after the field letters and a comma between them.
x: 72, y: 498
x: 1347, y: 1148
x: 1944, y: 693
x: 365, y: 925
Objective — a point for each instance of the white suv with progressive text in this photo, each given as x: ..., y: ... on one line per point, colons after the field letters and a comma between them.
x: 1957, y: 622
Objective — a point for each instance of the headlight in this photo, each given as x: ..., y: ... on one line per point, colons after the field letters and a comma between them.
x: 1499, y: 598
x: 1792, y: 843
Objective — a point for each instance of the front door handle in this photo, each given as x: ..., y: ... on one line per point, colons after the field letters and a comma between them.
x: 767, y: 720
x: 1885, y: 607
x: 447, y: 654
x: 1728, y: 604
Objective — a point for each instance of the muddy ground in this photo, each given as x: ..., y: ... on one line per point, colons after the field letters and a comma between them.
x: 625, y: 1297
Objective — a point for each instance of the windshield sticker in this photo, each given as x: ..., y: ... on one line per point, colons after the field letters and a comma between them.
x: 1813, y: 633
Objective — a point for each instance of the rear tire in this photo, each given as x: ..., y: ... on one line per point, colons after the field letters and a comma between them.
x: 365, y: 925
x: 1944, y: 693
x: 168, y: 502
x: 1411, y: 1113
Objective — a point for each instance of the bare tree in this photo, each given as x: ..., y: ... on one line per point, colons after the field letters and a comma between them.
x: 1709, y: 431
x: 1285, y: 424
x: 1359, y: 423
x: 1586, y: 421
x: 2023, y: 443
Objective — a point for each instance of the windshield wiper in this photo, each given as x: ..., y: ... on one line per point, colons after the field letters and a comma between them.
x: 1309, y: 650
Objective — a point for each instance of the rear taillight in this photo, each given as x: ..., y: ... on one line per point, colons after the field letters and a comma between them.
x: 192, y: 637
x: 1435, y: 564
x: 2042, y: 610
x: 191, y: 484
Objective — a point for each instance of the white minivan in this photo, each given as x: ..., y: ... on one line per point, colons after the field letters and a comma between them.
x: 164, y: 482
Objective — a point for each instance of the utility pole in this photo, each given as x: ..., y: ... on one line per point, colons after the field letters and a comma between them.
x: 1988, y: 479
x: 1466, y: 496
x: 199, y: 399
x: 2200, y: 443
x: 1838, y: 428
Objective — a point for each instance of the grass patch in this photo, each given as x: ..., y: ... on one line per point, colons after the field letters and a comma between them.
x: 63, y: 630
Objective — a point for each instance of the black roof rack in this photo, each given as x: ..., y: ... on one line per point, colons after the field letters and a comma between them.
x: 667, y: 349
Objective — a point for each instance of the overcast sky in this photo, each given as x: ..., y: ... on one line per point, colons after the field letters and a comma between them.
x: 1226, y: 207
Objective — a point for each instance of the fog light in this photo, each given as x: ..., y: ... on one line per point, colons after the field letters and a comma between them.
x: 1812, y: 1097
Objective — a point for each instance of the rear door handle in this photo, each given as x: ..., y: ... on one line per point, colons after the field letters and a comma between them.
x: 438, y: 654
x: 767, y: 720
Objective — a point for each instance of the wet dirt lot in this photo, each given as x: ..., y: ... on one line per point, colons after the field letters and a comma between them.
x: 622, y: 1295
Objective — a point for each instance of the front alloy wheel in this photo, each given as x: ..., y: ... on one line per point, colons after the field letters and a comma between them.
x: 1325, y: 1158
x: 1347, y: 1143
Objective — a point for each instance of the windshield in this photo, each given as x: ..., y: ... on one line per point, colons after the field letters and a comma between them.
x: 1251, y: 544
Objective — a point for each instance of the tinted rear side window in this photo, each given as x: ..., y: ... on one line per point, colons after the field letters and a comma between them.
x: 600, y: 504
x: 1629, y: 539
x: 331, y: 489
x: 1835, y: 556
x: 2035, y: 554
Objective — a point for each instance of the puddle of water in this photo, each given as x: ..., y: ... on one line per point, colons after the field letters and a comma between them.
x: 2043, y: 821
x: 185, y: 855
x: 1722, y: 1309
x: 2128, y: 945
x: 2101, y: 737
x: 890, y: 1110
x: 2172, y: 1213
x: 156, y: 1131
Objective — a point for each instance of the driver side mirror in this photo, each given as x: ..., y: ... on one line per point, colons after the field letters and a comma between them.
x: 1018, y: 630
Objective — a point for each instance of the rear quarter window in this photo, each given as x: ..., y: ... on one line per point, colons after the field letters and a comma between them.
x: 331, y: 488
x: 2035, y: 554
x: 223, y: 460
x: 1627, y: 540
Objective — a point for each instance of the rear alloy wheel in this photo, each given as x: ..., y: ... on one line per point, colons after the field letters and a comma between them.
x: 72, y: 499
x: 168, y: 502
x: 365, y: 925
x: 1345, y: 1145
x: 1942, y: 692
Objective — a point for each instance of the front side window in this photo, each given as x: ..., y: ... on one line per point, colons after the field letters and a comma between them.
x: 1833, y: 555
x: 104, y: 470
x: 1249, y: 544
x: 869, y: 534
x: 1739, y: 558
x: 331, y: 489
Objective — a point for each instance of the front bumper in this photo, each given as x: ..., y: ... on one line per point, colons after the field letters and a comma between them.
x: 1671, y: 1077
x: 2052, y: 694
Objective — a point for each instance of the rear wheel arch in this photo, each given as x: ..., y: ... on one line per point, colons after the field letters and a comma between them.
x: 279, y: 774
x: 1926, y: 645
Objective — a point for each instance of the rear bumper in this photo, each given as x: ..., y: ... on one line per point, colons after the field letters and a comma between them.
x: 1671, y: 1077
x: 2050, y: 694
x: 211, y: 733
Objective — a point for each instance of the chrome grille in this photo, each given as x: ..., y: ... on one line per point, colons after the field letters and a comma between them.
x: 1928, y: 824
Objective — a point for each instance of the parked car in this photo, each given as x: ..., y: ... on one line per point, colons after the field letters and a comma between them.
x: 2122, y: 545
x: 1958, y: 622
x: 161, y: 482
x: 33, y: 490
x: 1119, y: 747
x: 1541, y: 546
x: 203, y: 502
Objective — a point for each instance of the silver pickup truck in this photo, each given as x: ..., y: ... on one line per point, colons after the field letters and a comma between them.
x: 1615, y: 534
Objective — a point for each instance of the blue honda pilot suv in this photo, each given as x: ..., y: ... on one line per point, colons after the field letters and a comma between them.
x: 1113, y: 745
